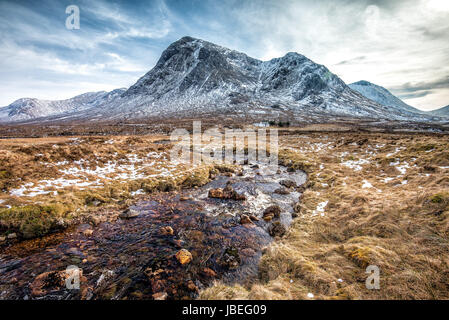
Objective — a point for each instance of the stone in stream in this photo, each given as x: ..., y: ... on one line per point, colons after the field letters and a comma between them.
x: 129, y: 214
x: 277, y: 229
x: 12, y: 236
x: 288, y: 183
x: 282, y: 190
x: 167, y: 231
x: 227, y: 193
x: 244, y: 219
x: 209, y: 272
x: 274, y: 211
x: 183, y: 256
x: 160, y: 296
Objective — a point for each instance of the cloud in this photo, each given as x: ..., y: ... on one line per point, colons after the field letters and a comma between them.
x: 401, y: 45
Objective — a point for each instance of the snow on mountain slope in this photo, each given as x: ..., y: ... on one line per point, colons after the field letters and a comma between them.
x: 382, y: 96
x: 195, y: 77
x: 442, y: 112
x: 31, y: 108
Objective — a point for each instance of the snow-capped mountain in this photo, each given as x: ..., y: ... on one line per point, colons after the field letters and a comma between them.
x: 442, y: 112
x: 382, y: 96
x: 194, y: 77
x: 31, y: 108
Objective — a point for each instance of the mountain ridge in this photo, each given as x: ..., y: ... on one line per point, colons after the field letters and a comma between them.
x: 195, y: 77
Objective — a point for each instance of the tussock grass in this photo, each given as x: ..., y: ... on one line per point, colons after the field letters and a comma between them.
x: 387, y: 205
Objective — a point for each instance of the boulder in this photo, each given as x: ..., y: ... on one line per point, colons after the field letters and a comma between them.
x: 129, y: 214
x: 183, y: 256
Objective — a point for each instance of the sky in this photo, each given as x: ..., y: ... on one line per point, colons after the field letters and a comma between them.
x: 402, y: 45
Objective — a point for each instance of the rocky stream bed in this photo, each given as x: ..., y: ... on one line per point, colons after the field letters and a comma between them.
x: 168, y: 246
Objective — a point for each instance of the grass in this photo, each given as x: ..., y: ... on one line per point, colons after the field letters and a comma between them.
x: 398, y: 222
x: 141, y: 166
x: 384, y: 201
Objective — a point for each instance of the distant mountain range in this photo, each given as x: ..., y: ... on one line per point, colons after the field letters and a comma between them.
x: 382, y: 96
x: 442, y: 112
x: 194, y: 77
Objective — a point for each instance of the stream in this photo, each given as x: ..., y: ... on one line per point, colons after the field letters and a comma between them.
x: 136, y: 258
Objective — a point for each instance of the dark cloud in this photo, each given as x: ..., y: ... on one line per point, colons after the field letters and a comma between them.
x: 351, y: 61
x: 408, y: 87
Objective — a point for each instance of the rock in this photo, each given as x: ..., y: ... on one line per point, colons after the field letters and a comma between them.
x: 160, y: 296
x: 184, y: 198
x: 209, y: 272
x: 167, y: 231
x: 288, y: 183
x: 191, y: 286
x: 230, y: 258
x: 2, y: 239
x: 52, y: 281
x: 273, y: 210
x: 227, y: 193
x: 268, y: 218
x: 129, y: 214
x: 277, y: 229
x: 244, y: 219
x: 88, y: 232
x: 253, y: 218
x: 183, y: 256
x: 12, y: 236
x: 282, y: 190
x: 216, y: 193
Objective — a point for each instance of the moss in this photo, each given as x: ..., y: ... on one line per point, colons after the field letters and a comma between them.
x: 32, y: 220
x: 197, y: 178
x: 438, y: 198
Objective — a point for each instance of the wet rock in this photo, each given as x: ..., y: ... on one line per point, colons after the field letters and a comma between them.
x: 160, y: 296
x: 129, y: 214
x: 167, y: 231
x: 209, y: 272
x: 191, y: 286
x: 183, y: 256
x: 52, y: 281
x: 282, y: 190
x: 227, y: 193
x: 12, y: 236
x: 288, y: 183
x: 244, y: 219
x: 253, y: 218
x: 230, y: 258
x: 274, y: 211
x: 277, y: 229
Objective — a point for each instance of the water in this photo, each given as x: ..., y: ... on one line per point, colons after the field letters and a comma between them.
x: 133, y: 259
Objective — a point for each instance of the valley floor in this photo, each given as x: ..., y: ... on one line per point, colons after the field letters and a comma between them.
x: 370, y: 199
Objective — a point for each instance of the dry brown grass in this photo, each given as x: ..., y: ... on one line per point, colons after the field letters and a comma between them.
x: 48, y: 183
x: 374, y: 215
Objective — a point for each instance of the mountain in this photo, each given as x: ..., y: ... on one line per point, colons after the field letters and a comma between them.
x: 31, y: 108
x: 382, y: 96
x: 443, y: 112
x: 194, y: 77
